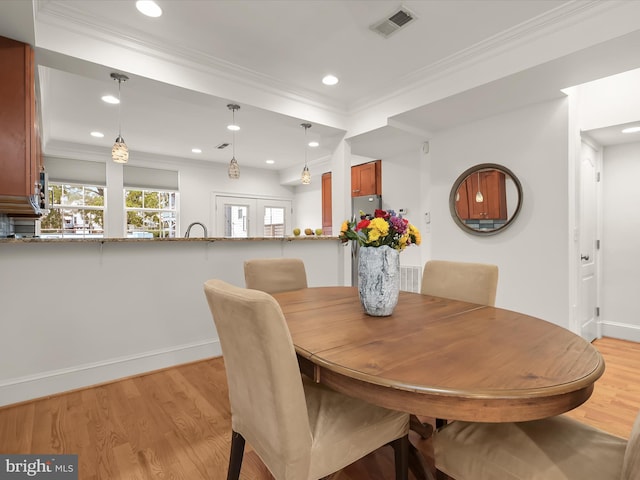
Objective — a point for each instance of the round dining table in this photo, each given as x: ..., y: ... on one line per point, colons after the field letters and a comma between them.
x: 440, y: 358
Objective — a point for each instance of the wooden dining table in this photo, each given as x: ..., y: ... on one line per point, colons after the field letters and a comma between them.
x: 441, y: 358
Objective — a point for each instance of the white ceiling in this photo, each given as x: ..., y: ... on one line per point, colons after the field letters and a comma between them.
x: 269, y: 57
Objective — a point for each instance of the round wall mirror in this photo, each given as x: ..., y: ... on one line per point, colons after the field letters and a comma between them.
x: 485, y: 199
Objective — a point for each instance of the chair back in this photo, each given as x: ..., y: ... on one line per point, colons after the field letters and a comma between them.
x: 631, y: 464
x: 268, y: 406
x: 273, y: 275
x: 468, y: 282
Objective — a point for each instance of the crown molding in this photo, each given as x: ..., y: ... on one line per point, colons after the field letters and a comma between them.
x: 64, y: 16
x: 508, y: 40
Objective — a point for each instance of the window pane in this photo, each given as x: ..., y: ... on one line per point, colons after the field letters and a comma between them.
x: 133, y: 198
x: 94, y: 196
x: 274, y: 222
x: 72, y: 195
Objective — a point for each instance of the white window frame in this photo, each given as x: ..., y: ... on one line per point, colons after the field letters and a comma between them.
x: 147, y: 233
x: 83, y: 233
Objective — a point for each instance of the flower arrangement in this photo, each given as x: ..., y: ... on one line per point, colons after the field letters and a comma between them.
x: 384, y: 227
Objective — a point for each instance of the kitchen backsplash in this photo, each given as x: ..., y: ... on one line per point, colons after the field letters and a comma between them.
x: 20, y: 227
x: 6, y: 225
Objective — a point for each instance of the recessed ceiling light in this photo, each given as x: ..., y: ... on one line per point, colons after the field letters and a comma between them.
x: 330, y: 80
x: 314, y: 144
x: 97, y: 134
x: 270, y: 162
x: 110, y: 99
x: 148, y: 8
x: 631, y: 130
x: 196, y: 150
x: 233, y: 128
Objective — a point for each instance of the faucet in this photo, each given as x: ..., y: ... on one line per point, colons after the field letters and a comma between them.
x: 186, y: 235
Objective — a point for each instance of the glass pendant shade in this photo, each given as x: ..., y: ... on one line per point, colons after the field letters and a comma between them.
x: 234, y: 169
x: 306, y: 176
x: 120, y: 151
x: 479, y: 196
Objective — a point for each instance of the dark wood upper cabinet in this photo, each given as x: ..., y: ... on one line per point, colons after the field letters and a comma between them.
x: 366, y: 179
x: 326, y: 204
x: 19, y: 153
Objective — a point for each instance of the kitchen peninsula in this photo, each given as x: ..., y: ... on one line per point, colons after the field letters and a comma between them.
x: 79, y: 312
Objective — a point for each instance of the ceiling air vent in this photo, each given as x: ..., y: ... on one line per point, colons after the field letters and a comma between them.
x: 222, y: 145
x: 394, y: 22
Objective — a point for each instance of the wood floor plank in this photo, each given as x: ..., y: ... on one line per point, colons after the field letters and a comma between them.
x: 175, y: 424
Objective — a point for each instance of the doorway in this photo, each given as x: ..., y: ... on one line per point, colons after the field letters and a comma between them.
x: 244, y: 217
x: 588, y: 240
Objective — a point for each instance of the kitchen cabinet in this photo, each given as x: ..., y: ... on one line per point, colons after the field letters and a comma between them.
x: 20, y: 156
x: 493, y: 203
x: 366, y: 179
x: 326, y: 204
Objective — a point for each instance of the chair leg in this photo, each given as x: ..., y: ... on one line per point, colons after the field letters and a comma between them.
x: 235, y: 458
x: 423, y: 429
x: 401, y: 454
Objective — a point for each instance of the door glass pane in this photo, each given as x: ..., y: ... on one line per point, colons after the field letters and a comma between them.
x: 236, y: 221
x: 274, y: 222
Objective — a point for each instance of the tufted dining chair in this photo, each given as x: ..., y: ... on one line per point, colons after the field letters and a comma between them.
x: 556, y: 448
x: 468, y: 282
x: 273, y: 275
x: 298, y: 428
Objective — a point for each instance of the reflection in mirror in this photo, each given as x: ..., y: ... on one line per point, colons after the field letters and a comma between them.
x: 485, y: 199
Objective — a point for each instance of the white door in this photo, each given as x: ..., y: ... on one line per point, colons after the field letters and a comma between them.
x: 241, y: 217
x: 588, y: 228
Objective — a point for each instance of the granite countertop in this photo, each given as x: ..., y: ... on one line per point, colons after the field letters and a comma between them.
x: 180, y: 239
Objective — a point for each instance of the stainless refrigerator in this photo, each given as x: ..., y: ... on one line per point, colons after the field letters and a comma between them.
x: 366, y: 204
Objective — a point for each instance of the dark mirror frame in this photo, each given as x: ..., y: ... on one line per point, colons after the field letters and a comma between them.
x: 463, y: 177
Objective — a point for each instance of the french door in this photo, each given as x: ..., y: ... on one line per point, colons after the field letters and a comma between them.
x: 243, y: 217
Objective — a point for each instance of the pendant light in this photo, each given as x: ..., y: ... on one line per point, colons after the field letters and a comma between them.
x: 306, y: 174
x: 479, y: 196
x: 234, y: 168
x: 120, y: 151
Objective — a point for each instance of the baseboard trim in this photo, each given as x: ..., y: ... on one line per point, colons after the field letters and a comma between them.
x: 622, y: 331
x: 21, y: 389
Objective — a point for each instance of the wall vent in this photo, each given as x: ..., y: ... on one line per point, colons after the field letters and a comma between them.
x: 394, y: 22
x: 222, y: 145
x: 410, y: 278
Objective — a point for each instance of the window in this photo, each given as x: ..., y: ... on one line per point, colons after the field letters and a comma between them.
x: 151, y: 213
x: 75, y: 211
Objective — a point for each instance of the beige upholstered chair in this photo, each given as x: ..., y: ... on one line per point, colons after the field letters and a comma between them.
x: 300, y: 429
x: 469, y: 282
x: 273, y: 275
x: 557, y: 448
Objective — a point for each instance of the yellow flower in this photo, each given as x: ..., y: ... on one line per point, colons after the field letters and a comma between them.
x: 380, y: 225
x: 416, y: 233
x: 344, y: 227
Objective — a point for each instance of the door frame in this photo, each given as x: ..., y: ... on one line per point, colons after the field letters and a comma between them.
x: 575, y: 253
x: 258, y: 201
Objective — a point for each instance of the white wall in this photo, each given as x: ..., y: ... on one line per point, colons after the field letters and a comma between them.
x: 620, y: 312
x: 78, y: 313
x: 307, y: 206
x: 532, y: 254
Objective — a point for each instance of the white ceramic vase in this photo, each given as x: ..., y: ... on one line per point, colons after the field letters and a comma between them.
x: 378, y: 279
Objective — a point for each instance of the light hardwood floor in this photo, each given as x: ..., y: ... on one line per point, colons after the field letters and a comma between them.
x: 175, y: 424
